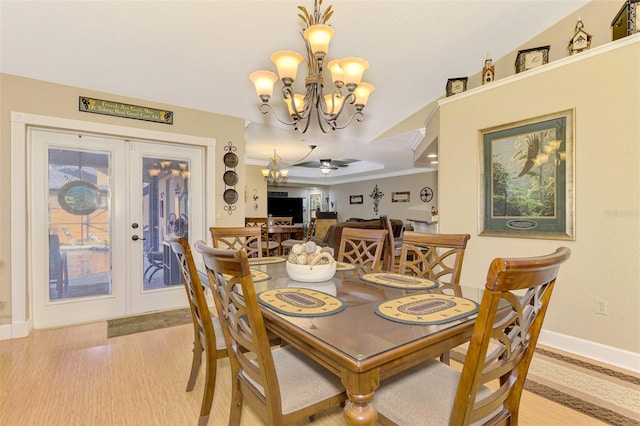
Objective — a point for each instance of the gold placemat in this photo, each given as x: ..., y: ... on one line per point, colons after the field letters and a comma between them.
x: 256, y: 276
x: 266, y: 260
x: 301, y: 302
x: 343, y: 266
x: 426, y: 309
x: 407, y: 282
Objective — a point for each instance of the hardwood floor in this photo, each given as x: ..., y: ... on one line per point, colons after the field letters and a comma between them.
x: 76, y: 376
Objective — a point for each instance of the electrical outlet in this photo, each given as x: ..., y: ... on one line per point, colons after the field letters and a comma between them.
x: 601, y: 306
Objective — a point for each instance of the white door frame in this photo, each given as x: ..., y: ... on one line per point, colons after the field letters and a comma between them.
x: 21, y: 282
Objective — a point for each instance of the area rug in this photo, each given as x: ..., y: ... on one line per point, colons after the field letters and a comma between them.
x: 147, y: 322
x: 609, y: 395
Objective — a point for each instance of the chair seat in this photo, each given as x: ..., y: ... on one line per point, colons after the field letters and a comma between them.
x: 439, y: 382
x: 302, y: 381
x: 291, y: 243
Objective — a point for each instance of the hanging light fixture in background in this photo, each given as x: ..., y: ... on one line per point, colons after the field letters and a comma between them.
x: 345, y: 72
x: 273, y: 173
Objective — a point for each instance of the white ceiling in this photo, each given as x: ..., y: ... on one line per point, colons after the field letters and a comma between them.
x: 198, y: 54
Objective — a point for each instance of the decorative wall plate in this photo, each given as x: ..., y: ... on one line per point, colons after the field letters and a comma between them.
x: 230, y: 196
x: 230, y: 159
x: 230, y: 177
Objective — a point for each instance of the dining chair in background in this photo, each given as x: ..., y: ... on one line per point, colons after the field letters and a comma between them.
x: 287, y: 244
x: 392, y: 249
x: 362, y: 247
x: 502, y: 344
x: 435, y: 256
x: 283, y: 220
x: 208, y: 335
x: 247, y: 239
x: 269, y: 246
x: 282, y: 385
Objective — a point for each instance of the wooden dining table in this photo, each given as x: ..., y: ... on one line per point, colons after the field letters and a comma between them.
x: 284, y: 232
x: 356, y: 344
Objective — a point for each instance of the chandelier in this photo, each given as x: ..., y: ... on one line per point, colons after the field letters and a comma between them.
x: 273, y: 173
x: 346, y: 72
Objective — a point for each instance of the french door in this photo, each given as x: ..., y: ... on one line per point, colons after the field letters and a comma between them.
x: 100, y: 209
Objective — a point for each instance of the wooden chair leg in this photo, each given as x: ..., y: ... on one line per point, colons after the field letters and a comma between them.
x: 195, y: 364
x: 209, y: 388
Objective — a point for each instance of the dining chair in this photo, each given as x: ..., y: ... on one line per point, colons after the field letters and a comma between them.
x: 282, y: 385
x: 435, y: 256
x: 208, y: 335
x: 515, y: 300
x: 287, y: 244
x: 362, y: 247
x: 391, y: 252
x: 282, y: 220
x: 268, y: 245
x: 247, y: 239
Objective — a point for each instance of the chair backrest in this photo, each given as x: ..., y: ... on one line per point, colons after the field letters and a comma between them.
x: 247, y: 239
x: 243, y: 325
x: 435, y: 256
x: 311, y: 229
x: 388, y: 253
x: 281, y: 220
x: 322, y: 225
x: 362, y: 247
x: 202, y: 322
x: 513, y: 322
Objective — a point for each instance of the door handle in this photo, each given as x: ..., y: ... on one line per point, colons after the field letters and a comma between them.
x: 136, y: 238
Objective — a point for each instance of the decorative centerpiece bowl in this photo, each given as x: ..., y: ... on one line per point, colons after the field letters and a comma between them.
x: 310, y: 263
x: 311, y: 273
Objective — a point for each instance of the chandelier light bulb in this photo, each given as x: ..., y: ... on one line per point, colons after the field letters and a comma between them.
x: 263, y: 80
x: 353, y: 69
x: 287, y: 62
x: 319, y: 37
x: 334, y: 103
x: 298, y: 101
x: 362, y: 93
x: 337, y: 75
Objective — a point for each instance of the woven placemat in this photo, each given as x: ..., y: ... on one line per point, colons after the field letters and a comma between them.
x: 344, y: 266
x: 407, y: 282
x: 301, y: 302
x: 266, y: 260
x: 256, y: 276
x: 426, y: 309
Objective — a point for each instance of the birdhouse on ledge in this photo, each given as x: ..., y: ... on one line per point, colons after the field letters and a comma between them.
x: 580, y: 40
x: 488, y: 71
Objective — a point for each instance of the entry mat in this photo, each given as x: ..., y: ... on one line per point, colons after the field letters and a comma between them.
x: 301, y: 302
x: 406, y: 282
x: 426, y: 309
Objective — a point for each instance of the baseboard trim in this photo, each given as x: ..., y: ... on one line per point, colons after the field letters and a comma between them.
x: 596, y: 351
x: 15, y: 330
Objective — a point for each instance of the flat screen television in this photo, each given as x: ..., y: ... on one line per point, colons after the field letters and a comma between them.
x: 285, y: 206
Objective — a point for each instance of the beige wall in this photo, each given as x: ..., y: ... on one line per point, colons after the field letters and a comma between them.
x: 603, y: 87
x: 257, y: 186
x: 42, y: 98
x: 414, y: 209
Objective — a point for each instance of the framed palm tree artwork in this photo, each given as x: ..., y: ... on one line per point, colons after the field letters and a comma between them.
x: 527, y: 178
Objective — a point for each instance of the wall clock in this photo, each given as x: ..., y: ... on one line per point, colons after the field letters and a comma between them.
x: 426, y: 194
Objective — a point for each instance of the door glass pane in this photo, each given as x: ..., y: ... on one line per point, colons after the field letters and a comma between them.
x: 166, y: 206
x: 79, y: 224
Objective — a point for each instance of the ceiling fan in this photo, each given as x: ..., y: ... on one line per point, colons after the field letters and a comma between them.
x: 327, y: 163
